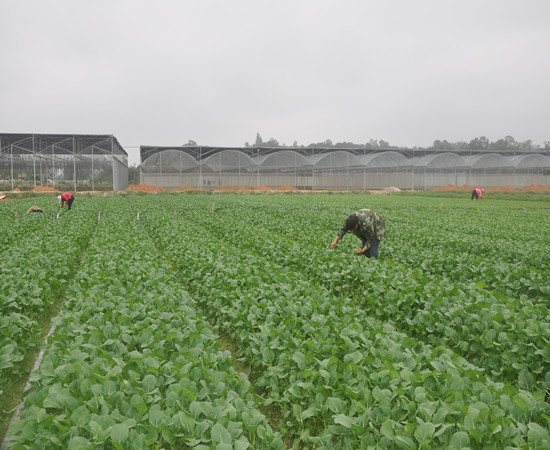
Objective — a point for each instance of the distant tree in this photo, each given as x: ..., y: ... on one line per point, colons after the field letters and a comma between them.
x: 191, y: 143
x: 347, y: 145
x: 133, y: 174
x: 480, y: 143
x: 325, y: 144
x: 460, y: 145
x: 271, y: 143
x: 510, y: 142
x: 501, y: 144
x: 526, y: 145
x: 442, y: 145
x: 373, y: 143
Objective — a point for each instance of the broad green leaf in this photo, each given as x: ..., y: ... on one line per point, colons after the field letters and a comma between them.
x: 354, y: 357
x: 480, y: 284
x: 80, y: 416
x: 79, y: 443
x: 438, y: 365
x: 343, y: 420
x: 526, y: 380
x: 387, y: 428
x: 119, y: 432
x: 471, y: 418
x: 156, y: 417
x: 424, y: 432
x: 224, y: 446
x: 109, y: 388
x: 537, y: 436
x: 149, y: 383
x: 300, y: 359
x: 335, y: 404
x: 460, y: 440
x: 220, y: 435
x: 241, y: 444
x: 310, y: 412
x: 186, y: 421
x: 406, y: 440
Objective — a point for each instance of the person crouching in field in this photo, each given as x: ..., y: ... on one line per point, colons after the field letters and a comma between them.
x: 367, y: 225
x: 68, y: 198
x: 477, y: 193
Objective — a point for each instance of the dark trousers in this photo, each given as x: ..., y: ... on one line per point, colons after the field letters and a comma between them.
x: 70, y: 202
x: 372, y: 251
x: 474, y: 195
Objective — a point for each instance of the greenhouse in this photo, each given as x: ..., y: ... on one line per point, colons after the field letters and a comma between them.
x: 74, y: 162
x: 322, y: 168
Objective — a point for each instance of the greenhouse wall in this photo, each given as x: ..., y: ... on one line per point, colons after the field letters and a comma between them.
x: 359, y: 181
x: 342, y: 169
x: 426, y: 180
x: 63, y: 162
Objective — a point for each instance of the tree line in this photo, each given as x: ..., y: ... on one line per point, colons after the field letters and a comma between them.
x: 477, y: 143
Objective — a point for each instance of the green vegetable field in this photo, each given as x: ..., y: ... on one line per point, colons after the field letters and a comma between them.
x: 240, y: 328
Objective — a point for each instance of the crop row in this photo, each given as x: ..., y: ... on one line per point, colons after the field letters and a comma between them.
x: 462, y: 314
x: 450, y: 307
x: 340, y: 377
x: 496, y: 254
x: 457, y: 244
x: 37, y: 260
x: 132, y: 364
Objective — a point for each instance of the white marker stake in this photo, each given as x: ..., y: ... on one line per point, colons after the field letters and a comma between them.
x: 138, y: 215
x: 99, y: 216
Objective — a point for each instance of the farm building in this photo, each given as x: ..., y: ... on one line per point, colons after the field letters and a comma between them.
x: 323, y: 168
x: 78, y: 162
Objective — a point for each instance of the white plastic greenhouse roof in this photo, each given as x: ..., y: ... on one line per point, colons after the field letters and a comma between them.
x: 170, y: 158
x: 228, y: 159
x: 441, y: 161
x: 488, y: 161
x: 535, y: 160
x: 83, y: 144
x: 283, y: 159
x: 218, y: 159
x: 339, y: 158
x: 385, y: 159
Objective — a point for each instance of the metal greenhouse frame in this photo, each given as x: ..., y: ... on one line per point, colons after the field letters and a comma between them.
x: 76, y: 162
x: 331, y: 168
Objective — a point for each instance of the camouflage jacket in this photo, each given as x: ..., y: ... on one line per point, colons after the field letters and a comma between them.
x: 371, y: 226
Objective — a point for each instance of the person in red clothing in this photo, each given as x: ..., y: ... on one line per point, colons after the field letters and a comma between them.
x: 477, y: 193
x: 68, y: 198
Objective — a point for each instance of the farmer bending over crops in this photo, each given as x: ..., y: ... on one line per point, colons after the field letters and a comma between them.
x: 477, y: 193
x: 67, y: 197
x: 367, y: 225
x: 35, y: 209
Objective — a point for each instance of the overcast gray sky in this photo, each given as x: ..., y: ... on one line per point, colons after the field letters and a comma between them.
x: 162, y: 72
